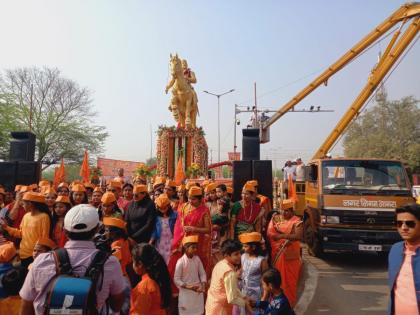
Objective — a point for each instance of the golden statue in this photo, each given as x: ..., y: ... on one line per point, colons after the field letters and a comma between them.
x: 184, y: 100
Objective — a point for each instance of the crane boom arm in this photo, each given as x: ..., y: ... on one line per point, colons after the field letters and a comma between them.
x: 395, y: 49
x: 403, y: 13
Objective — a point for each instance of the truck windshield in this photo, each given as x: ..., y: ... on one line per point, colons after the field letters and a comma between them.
x: 355, y: 176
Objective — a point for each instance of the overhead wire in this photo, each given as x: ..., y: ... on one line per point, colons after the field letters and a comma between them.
x: 319, y: 70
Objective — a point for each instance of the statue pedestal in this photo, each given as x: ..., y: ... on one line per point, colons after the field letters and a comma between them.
x: 175, y: 142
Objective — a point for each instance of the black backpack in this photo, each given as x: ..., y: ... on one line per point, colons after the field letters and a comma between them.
x: 70, y: 294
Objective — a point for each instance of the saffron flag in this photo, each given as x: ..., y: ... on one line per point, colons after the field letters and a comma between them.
x: 291, y: 190
x: 60, y: 174
x: 179, y: 172
x: 84, y: 170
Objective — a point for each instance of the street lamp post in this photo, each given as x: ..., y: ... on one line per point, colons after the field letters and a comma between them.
x: 218, y: 118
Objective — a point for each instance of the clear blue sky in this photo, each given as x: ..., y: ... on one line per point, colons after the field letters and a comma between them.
x: 120, y: 50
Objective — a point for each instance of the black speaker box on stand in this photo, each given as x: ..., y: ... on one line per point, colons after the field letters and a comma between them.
x: 28, y: 173
x: 262, y: 171
x: 22, y: 146
x: 250, y: 144
x: 8, y: 174
x: 242, y: 172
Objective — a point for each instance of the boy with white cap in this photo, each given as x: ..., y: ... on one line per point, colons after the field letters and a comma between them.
x: 80, y: 224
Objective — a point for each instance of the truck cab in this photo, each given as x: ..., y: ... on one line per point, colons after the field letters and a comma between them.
x: 350, y: 204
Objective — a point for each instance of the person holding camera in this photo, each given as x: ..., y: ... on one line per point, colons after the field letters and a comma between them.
x: 81, y: 224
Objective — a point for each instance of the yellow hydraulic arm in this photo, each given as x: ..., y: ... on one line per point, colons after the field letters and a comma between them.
x: 394, y: 50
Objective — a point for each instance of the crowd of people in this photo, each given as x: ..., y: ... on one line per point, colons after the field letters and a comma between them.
x: 186, y: 249
x: 160, y: 249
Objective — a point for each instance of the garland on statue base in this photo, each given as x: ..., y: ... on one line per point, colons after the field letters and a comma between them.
x: 199, y: 147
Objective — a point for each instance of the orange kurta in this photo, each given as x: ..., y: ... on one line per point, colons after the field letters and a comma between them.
x: 289, y: 262
x: 145, y: 298
x: 217, y: 303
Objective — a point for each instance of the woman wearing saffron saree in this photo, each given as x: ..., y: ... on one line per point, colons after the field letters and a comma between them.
x: 193, y: 219
x: 285, y: 235
x: 245, y: 214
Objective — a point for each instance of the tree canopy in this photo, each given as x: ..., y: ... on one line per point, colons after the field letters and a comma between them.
x: 56, y: 109
x: 390, y: 129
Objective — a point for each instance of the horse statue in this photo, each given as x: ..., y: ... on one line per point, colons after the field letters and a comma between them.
x: 183, y: 103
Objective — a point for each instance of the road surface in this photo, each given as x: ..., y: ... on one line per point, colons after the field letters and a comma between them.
x: 344, y: 284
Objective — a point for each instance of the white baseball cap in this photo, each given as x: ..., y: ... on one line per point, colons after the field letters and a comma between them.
x: 81, y: 218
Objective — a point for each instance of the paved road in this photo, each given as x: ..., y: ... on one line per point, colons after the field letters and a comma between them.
x: 346, y: 284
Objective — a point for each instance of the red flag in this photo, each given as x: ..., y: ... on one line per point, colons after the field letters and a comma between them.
x: 84, y: 170
x: 179, y: 172
x: 291, y: 190
x: 60, y: 174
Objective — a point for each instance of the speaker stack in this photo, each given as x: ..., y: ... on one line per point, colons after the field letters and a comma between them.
x: 21, y: 169
x: 251, y: 167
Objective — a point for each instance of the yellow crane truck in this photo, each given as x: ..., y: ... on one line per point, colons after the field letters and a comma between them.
x: 349, y: 203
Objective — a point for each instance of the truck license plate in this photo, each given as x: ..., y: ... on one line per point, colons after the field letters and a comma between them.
x: 374, y: 248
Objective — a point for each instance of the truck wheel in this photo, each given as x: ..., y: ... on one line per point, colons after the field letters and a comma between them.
x: 311, y: 239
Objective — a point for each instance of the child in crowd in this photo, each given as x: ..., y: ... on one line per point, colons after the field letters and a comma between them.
x: 78, y: 195
x: 109, y: 207
x: 35, y: 224
x: 253, y: 264
x: 61, y: 206
x: 43, y: 245
x: 211, y: 199
x: 89, y: 190
x: 152, y: 296
x: 190, y: 278
x: 273, y: 301
x: 223, y: 292
x: 12, y: 282
x: 164, y: 227
x: 96, y: 197
x: 63, y: 189
x: 50, y: 196
x: 182, y: 196
x: 115, y: 230
x: 223, y: 202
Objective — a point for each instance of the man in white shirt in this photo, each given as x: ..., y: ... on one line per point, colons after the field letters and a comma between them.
x: 300, y: 170
x: 289, y: 169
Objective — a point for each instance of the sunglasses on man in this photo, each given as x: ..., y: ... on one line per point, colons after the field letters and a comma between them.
x: 408, y: 223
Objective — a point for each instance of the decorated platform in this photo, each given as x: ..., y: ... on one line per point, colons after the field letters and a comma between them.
x: 188, y: 144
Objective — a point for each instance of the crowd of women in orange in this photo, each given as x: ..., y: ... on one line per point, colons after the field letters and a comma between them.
x: 164, y: 217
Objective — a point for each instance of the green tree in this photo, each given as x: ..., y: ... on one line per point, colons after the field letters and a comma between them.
x: 391, y: 129
x: 8, y: 122
x: 56, y: 109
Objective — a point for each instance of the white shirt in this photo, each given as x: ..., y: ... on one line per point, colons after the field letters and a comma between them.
x: 289, y: 170
x: 300, y: 172
x: 189, y: 271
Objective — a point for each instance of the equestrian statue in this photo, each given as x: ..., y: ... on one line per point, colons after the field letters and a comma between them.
x: 184, y: 101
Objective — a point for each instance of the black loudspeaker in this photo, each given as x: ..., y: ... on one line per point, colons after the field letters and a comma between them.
x: 28, y: 173
x: 22, y: 146
x: 250, y: 144
x: 8, y: 174
x: 242, y: 172
x: 263, y: 173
